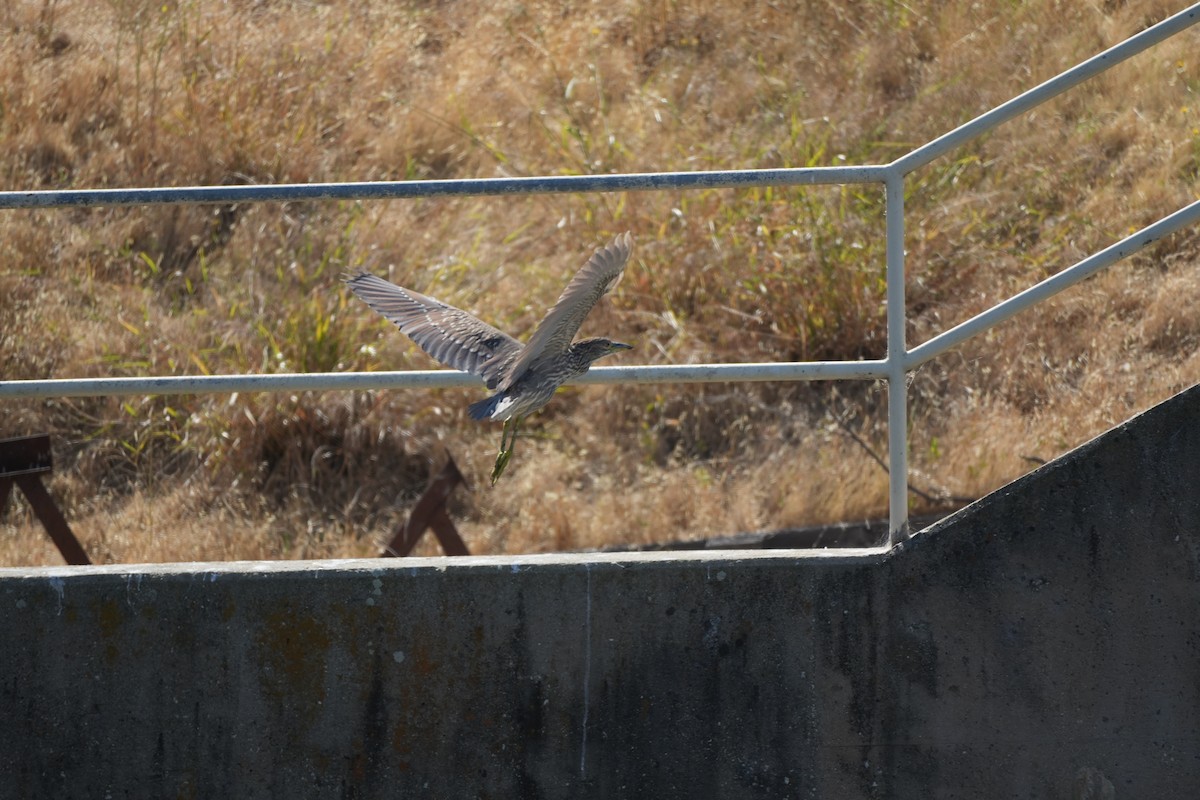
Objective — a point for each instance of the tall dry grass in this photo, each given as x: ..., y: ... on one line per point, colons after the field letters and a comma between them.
x: 129, y: 93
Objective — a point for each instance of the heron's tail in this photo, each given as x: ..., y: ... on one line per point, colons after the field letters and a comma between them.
x: 485, y: 407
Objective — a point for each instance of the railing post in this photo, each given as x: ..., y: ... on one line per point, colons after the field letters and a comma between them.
x: 896, y: 354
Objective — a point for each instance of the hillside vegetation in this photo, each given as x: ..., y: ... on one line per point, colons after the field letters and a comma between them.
x: 132, y: 93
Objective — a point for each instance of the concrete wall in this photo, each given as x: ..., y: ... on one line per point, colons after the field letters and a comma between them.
x: 1045, y: 637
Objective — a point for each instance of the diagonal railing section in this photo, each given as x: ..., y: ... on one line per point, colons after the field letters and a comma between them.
x: 894, y: 369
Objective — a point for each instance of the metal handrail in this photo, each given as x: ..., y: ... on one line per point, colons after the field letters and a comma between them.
x: 470, y: 187
x: 1049, y: 89
x: 894, y: 368
x: 437, y: 379
x: 1053, y: 285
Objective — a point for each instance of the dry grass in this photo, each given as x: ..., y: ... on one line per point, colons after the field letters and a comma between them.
x: 130, y: 93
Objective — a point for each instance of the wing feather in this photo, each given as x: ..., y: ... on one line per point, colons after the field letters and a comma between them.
x: 557, y: 329
x: 448, y: 334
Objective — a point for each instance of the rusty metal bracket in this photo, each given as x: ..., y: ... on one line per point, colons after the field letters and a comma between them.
x: 23, y: 460
x: 430, y: 511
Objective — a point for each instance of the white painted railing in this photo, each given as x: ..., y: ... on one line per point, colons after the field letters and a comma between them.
x: 894, y: 368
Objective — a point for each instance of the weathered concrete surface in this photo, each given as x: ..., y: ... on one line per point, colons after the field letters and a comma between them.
x: 1051, y: 628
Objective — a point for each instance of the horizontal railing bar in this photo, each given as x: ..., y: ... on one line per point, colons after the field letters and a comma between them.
x: 736, y: 373
x: 1049, y: 89
x: 718, y: 179
x: 1053, y: 285
x: 433, y: 379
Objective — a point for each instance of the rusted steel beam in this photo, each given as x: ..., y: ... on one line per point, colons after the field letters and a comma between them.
x: 447, y: 534
x: 25, y: 455
x: 53, y: 520
x: 430, y: 511
x: 23, y: 460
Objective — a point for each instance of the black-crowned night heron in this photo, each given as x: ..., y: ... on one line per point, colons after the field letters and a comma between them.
x: 524, y: 377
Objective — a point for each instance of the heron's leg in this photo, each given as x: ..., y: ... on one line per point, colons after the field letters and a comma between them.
x: 504, y: 437
x: 512, y: 439
x: 507, y: 441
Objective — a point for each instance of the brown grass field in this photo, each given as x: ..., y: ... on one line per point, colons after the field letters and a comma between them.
x: 133, y: 93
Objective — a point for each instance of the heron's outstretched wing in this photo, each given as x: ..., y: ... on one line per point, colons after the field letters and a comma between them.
x: 556, y: 330
x: 451, y: 335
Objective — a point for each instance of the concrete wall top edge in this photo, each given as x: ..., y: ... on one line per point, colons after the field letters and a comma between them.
x: 517, y: 563
x: 982, y: 508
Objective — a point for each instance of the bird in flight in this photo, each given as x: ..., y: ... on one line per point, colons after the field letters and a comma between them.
x: 523, y: 376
